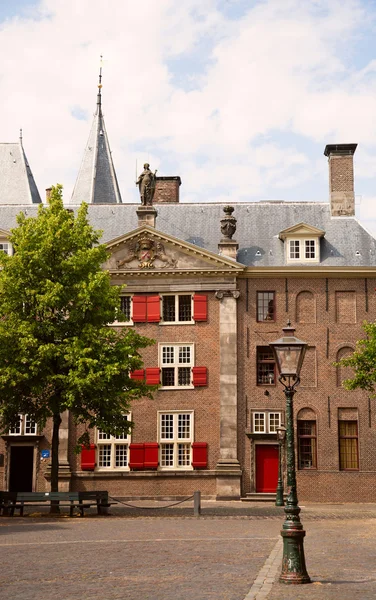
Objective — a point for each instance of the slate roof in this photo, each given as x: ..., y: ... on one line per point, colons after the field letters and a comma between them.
x: 17, y: 185
x: 96, y: 182
x: 346, y: 242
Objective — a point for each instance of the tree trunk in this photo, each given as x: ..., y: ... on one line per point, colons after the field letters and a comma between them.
x: 55, y: 460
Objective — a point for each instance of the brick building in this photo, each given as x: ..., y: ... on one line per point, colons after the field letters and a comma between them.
x: 213, y: 285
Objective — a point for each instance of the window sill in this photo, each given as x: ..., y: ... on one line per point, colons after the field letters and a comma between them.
x: 177, y: 322
x: 176, y: 387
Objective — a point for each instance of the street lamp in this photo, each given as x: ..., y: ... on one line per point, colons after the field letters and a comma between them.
x: 281, y: 434
x: 289, y: 354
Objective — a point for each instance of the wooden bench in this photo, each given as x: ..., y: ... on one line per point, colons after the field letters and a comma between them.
x: 11, y: 501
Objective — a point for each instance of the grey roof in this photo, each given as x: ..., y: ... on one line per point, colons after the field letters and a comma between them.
x: 346, y: 242
x: 96, y: 182
x: 17, y: 185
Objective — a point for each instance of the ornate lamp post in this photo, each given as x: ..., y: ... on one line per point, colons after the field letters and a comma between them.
x: 289, y: 354
x: 281, y: 434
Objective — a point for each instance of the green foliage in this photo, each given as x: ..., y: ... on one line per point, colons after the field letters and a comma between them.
x: 57, y: 352
x: 363, y: 361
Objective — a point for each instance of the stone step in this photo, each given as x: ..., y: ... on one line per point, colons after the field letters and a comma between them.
x: 259, y: 497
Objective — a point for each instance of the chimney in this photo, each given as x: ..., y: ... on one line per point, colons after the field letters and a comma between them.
x: 167, y: 190
x: 48, y: 193
x: 227, y: 246
x: 147, y: 215
x: 341, y: 179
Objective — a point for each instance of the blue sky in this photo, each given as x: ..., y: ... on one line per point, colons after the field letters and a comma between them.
x: 238, y: 97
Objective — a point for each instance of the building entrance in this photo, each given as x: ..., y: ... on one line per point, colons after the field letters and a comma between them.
x: 266, y: 468
x: 21, y: 468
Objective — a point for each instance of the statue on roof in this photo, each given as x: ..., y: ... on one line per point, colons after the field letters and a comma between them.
x: 146, y: 185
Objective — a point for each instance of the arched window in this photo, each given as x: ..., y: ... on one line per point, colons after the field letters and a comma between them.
x: 344, y: 372
x: 305, y: 307
x: 307, y: 439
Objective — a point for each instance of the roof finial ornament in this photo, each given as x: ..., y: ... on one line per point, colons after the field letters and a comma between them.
x: 21, y: 136
x: 99, y: 96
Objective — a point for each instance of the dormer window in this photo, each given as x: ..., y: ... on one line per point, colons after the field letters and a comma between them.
x: 302, y: 243
x: 302, y: 250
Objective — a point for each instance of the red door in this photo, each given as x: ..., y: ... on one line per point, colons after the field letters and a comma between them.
x: 266, y: 468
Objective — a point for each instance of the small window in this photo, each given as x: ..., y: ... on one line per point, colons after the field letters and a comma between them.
x: 24, y: 426
x: 348, y: 445
x: 265, y: 306
x: 175, y: 439
x: 303, y: 250
x: 310, y: 249
x: 307, y: 455
x: 112, y: 450
x: 124, y: 314
x: 176, y: 361
x: 177, y: 308
x: 265, y: 366
x: 294, y: 249
x: 266, y: 421
x: 5, y: 247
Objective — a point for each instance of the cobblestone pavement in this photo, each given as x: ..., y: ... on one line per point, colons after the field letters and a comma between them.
x: 230, y: 553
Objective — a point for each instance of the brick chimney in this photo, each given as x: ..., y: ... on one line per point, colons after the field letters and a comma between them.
x: 48, y: 193
x: 341, y: 179
x: 167, y: 190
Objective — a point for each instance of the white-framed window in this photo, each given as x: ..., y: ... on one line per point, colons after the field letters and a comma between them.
x: 177, y: 308
x: 266, y: 421
x: 6, y: 247
x: 24, y: 426
x: 303, y: 250
x: 113, y: 450
x: 175, y: 436
x: 124, y: 314
x: 176, y: 362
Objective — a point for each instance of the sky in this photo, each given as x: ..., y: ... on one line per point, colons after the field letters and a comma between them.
x: 238, y: 97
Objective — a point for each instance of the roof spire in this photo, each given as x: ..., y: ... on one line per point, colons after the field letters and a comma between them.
x: 99, y: 96
x: 21, y: 136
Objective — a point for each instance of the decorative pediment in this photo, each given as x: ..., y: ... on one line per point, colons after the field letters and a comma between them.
x: 4, y: 234
x: 147, y: 250
x: 301, y: 230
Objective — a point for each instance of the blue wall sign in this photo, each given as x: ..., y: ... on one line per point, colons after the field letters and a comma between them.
x: 45, y: 453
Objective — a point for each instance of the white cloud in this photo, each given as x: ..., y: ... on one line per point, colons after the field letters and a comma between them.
x: 270, y: 85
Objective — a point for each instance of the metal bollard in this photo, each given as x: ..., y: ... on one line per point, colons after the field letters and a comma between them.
x: 197, y: 504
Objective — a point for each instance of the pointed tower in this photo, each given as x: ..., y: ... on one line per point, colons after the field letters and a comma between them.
x: 17, y: 185
x: 96, y: 182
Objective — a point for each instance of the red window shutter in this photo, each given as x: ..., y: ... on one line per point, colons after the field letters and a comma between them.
x: 136, y: 456
x: 139, y: 309
x: 138, y: 375
x: 199, y: 455
x: 151, y: 455
x: 88, y: 458
x: 200, y: 307
x: 200, y: 376
x: 153, y: 376
x: 153, y: 309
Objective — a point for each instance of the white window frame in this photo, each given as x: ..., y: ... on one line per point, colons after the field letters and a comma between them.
x: 175, y: 441
x: 119, y: 321
x: 176, y: 321
x: 302, y: 250
x: 24, y: 422
x: 267, y: 421
x: 103, y: 439
x: 176, y: 364
x: 9, y: 248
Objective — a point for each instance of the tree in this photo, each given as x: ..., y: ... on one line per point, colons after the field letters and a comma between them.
x: 57, y: 351
x: 363, y: 362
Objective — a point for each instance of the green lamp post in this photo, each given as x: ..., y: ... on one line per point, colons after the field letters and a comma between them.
x: 281, y: 435
x: 289, y: 355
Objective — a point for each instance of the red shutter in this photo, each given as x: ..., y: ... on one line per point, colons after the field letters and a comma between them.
x: 199, y: 455
x: 151, y: 455
x: 200, y: 307
x: 152, y: 376
x: 136, y: 456
x: 138, y: 375
x: 88, y: 458
x: 139, y: 309
x: 200, y: 376
x: 153, y: 309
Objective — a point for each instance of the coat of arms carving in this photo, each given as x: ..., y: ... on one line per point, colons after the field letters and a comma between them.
x: 146, y: 250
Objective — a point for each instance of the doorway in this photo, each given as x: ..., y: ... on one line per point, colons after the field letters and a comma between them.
x: 21, y: 468
x: 266, y: 468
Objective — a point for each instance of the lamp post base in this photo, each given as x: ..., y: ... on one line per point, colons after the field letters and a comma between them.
x: 293, y: 563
